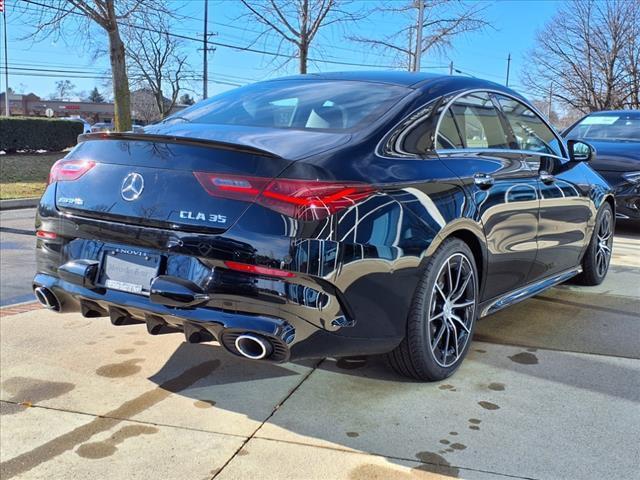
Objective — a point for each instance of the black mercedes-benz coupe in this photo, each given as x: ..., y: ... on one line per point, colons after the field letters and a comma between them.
x: 616, y: 138
x: 323, y: 215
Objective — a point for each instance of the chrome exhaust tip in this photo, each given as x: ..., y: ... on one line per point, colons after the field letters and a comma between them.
x: 47, y: 298
x: 253, y: 347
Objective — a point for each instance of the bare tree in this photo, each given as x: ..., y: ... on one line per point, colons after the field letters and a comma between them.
x: 631, y: 56
x: 64, y: 90
x: 297, y: 22
x: 144, y: 107
x: 107, y: 15
x: 588, y: 56
x: 443, y: 20
x: 157, y: 64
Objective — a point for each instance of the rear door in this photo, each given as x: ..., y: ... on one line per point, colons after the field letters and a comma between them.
x: 477, y: 146
x: 565, y: 207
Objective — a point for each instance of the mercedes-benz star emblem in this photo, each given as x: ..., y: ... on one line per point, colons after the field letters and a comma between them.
x: 132, y: 187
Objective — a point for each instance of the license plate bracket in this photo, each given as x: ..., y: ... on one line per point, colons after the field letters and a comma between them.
x: 129, y: 270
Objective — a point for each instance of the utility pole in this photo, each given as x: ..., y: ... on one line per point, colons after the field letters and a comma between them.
x: 205, y: 50
x: 550, y: 99
x: 451, y: 68
x: 416, y: 65
x: 508, y: 68
x: 6, y: 64
x: 411, y: 49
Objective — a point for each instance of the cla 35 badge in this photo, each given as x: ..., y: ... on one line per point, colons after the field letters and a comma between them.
x: 203, y: 217
x: 132, y: 187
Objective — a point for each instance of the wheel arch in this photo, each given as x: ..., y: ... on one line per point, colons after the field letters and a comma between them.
x: 472, y: 234
x: 612, y: 203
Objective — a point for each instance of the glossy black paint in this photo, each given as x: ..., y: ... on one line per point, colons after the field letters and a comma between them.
x: 355, y: 271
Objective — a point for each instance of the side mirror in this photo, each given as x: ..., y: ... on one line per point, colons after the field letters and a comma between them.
x: 580, y: 151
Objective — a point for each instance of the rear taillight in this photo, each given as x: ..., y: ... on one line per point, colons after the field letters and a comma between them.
x: 303, y: 199
x: 46, y: 235
x: 68, y: 170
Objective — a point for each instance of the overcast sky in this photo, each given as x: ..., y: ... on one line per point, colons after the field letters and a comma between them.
x: 480, y: 54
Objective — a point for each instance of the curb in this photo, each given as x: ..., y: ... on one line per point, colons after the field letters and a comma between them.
x: 19, y: 203
x: 18, y: 308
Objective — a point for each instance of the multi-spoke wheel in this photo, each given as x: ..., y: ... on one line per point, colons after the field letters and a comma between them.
x: 452, y: 311
x: 605, y: 241
x: 442, y: 317
x: 595, y: 263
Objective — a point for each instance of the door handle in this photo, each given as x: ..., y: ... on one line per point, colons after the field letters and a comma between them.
x: 483, y: 180
x: 546, y: 177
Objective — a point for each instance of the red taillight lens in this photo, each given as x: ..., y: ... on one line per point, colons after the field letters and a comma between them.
x: 303, y: 199
x: 244, y: 267
x: 46, y: 235
x: 69, y: 170
x: 234, y: 187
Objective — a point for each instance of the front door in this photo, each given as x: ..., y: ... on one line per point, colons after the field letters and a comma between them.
x: 564, y: 202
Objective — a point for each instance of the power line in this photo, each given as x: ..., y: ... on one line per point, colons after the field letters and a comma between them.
x: 53, y: 67
x: 217, y: 43
x: 79, y: 75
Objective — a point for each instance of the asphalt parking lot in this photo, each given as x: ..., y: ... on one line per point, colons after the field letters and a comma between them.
x: 550, y: 390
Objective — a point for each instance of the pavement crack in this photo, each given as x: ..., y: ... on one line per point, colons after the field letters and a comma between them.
x: 273, y: 412
x: 31, y: 459
x: 393, y: 457
x: 124, y: 419
x: 17, y: 231
x: 479, y: 337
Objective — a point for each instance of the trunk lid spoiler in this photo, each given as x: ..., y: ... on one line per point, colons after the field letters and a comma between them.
x: 148, y: 137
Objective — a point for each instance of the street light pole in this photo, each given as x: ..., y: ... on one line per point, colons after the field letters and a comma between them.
x: 508, y: 68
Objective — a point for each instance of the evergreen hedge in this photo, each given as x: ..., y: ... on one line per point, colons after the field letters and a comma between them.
x: 31, y: 133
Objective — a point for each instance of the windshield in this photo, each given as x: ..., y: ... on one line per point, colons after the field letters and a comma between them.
x: 611, y: 126
x: 296, y: 104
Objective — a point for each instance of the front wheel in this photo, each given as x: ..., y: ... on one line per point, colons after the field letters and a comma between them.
x: 595, y: 263
x: 442, y: 316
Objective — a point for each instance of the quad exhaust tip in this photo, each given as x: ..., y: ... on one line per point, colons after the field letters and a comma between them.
x: 253, y: 347
x: 47, y: 298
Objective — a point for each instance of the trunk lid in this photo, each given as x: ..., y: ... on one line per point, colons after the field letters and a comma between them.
x: 149, y: 179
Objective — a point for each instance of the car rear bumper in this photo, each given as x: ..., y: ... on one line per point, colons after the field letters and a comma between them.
x: 289, y: 336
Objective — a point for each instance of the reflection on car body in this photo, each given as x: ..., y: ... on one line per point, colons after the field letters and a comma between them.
x: 365, y: 213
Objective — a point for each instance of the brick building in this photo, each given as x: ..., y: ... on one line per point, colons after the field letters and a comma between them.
x: 30, y: 105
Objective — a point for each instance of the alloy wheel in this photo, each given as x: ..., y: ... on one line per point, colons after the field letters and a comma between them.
x: 452, y: 310
x: 605, y: 242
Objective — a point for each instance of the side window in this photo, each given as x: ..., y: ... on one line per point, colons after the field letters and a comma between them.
x: 448, y: 136
x: 529, y: 129
x: 479, y: 122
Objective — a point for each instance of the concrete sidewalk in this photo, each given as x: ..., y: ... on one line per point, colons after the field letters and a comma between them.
x: 550, y: 390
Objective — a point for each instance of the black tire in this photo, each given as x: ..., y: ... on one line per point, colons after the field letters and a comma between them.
x: 414, y: 357
x: 593, y: 271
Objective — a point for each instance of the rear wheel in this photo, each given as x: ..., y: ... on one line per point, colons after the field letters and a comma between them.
x: 442, y: 316
x: 595, y: 263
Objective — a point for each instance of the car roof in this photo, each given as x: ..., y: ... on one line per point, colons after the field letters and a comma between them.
x: 429, y: 82
x: 392, y: 77
x: 630, y: 113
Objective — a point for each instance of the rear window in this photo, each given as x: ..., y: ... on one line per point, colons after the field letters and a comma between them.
x: 296, y: 104
x: 479, y: 122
